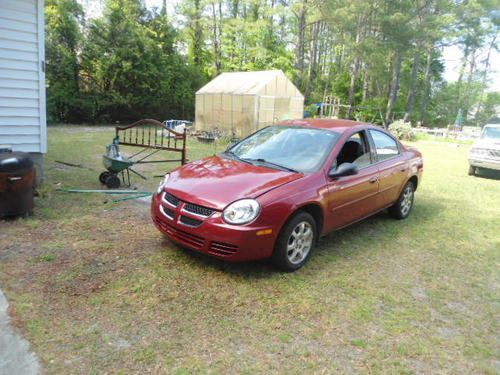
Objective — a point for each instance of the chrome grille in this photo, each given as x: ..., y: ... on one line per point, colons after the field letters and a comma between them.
x: 495, y: 154
x: 486, y: 152
x: 198, y: 210
x: 167, y: 211
x: 174, y: 201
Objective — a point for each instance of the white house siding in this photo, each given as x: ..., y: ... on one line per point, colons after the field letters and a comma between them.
x: 22, y: 77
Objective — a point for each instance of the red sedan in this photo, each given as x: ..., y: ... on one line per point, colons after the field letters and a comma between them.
x: 273, y: 194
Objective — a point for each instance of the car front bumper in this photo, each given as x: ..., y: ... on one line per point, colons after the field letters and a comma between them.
x: 485, y: 163
x: 213, y: 236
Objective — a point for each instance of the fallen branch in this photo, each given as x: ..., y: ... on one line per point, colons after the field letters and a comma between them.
x: 69, y: 164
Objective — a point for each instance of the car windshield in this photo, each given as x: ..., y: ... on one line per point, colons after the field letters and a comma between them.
x: 297, y: 149
x: 491, y: 132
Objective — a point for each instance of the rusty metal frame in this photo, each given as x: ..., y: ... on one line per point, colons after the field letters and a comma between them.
x: 131, y: 135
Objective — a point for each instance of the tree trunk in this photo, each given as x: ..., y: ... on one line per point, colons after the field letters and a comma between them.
x: 234, y: 14
x: 216, y: 39
x: 299, y: 51
x: 467, y: 94
x: 352, y: 86
x: 366, y: 83
x: 465, y: 58
x: 412, y: 91
x: 313, y: 60
x: 485, y: 77
x: 394, y: 87
x: 427, y: 86
x: 197, y: 34
x: 355, y: 70
x: 164, y: 8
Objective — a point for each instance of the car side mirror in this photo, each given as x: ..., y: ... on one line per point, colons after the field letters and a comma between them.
x: 344, y: 169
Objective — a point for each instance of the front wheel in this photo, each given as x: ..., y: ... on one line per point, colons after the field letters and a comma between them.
x: 113, y: 181
x: 472, y: 170
x: 402, y: 208
x: 295, y: 243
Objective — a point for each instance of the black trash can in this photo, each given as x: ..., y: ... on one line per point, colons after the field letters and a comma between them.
x: 17, y: 184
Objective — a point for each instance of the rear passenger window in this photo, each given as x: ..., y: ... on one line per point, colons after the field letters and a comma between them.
x: 385, y: 146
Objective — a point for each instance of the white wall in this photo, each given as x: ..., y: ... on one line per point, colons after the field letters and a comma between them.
x: 22, y: 77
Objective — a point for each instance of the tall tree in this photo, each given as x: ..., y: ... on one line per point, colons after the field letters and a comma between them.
x: 63, y: 39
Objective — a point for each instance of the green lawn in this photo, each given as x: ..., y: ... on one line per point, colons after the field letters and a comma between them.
x: 97, y: 289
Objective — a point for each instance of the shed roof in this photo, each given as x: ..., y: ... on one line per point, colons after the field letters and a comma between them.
x: 242, y: 83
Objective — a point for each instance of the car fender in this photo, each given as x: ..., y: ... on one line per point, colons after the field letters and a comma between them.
x: 281, y: 203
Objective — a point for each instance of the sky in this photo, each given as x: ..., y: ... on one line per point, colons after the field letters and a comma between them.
x: 451, y: 55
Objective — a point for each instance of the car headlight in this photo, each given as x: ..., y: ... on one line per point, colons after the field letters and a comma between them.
x: 241, y: 212
x: 162, y: 183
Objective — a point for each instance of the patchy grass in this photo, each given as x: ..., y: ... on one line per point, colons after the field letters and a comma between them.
x: 97, y: 289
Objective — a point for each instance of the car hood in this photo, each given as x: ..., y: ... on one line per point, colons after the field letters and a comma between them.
x: 215, y: 182
x: 491, y: 144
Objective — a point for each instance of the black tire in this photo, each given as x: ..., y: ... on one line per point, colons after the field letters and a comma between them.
x: 281, y: 255
x: 472, y: 170
x: 402, y: 208
x: 103, y: 176
x: 113, y: 182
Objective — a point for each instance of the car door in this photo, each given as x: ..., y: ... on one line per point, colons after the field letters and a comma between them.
x: 352, y: 198
x: 392, y: 168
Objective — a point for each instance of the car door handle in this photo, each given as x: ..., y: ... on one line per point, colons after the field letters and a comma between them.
x: 372, y: 180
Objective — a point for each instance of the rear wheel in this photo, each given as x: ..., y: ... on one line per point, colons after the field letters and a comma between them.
x: 402, y: 208
x: 113, y: 182
x: 472, y: 170
x: 103, y: 176
x: 295, y: 243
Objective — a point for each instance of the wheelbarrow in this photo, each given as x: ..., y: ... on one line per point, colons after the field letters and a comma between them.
x: 115, y: 165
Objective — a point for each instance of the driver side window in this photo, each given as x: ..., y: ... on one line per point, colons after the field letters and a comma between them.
x: 355, y: 151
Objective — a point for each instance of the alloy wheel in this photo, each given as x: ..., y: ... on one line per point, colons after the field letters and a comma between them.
x: 300, y: 242
x: 407, y: 200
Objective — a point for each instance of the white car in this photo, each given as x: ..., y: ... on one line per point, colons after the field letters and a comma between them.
x: 485, y: 152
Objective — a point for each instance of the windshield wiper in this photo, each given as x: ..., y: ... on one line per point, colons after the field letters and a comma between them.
x: 233, y: 156
x: 264, y: 161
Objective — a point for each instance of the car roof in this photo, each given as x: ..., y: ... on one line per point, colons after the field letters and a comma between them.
x: 338, y: 125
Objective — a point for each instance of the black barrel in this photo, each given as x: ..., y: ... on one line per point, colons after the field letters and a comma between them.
x: 17, y: 184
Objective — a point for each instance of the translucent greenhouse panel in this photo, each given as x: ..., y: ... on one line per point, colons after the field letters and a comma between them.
x: 271, y: 88
x: 281, y: 86
x: 238, y: 123
x: 237, y: 103
x: 207, y: 110
x: 210, y: 111
x: 266, y: 111
x: 225, y: 123
x: 227, y: 102
x: 248, y: 120
x: 282, y: 109
x: 296, y: 108
x: 201, y: 114
x: 198, y: 111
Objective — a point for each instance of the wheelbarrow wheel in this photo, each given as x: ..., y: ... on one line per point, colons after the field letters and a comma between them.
x: 112, y: 181
x: 103, y: 176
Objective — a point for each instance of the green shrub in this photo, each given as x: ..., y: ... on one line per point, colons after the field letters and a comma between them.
x: 402, y: 130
